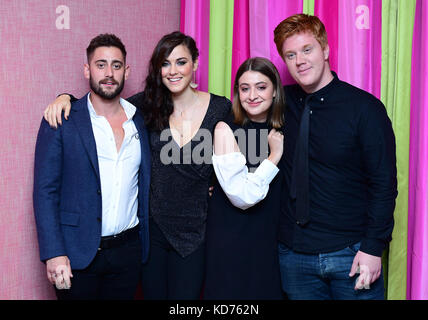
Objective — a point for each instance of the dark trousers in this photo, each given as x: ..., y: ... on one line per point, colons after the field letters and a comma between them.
x: 167, y: 275
x: 112, y: 275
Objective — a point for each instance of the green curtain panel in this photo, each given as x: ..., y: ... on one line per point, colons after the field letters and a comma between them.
x: 397, y: 35
x: 220, y: 47
x: 309, y: 7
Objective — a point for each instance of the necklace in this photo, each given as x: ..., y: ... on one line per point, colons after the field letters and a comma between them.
x: 183, y: 122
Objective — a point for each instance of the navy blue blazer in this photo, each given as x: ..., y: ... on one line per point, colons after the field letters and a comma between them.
x: 67, y: 189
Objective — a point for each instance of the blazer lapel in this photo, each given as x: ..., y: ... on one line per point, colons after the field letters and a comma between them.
x: 144, y: 141
x: 82, y: 121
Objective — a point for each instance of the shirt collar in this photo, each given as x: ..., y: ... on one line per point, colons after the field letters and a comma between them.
x: 129, y: 108
x: 321, y: 93
x: 326, y: 89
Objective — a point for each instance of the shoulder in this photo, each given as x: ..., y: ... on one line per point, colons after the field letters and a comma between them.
x: 368, y: 109
x: 221, y: 107
x: 351, y: 91
x: 223, y: 131
x: 364, y: 100
x: 80, y: 103
x: 137, y: 99
x: 222, y: 126
x: 221, y: 101
x: 224, y: 139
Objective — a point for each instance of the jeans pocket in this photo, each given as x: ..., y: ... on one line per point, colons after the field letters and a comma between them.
x: 355, y: 247
x: 283, y: 249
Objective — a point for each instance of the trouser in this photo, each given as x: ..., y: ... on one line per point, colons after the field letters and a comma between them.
x: 167, y: 275
x: 112, y: 275
x: 324, y: 276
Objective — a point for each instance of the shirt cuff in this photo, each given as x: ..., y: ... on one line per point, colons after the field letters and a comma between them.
x: 373, y: 247
x: 267, y: 171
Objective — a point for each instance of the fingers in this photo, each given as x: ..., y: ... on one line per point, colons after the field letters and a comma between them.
x: 62, y: 277
x: 363, y: 281
x: 51, y: 277
x: 375, y: 276
x: 49, y: 115
x: 365, y: 278
x: 45, y: 113
x: 67, y: 111
x: 59, y: 272
x: 354, y: 267
x: 275, y: 137
x: 275, y: 133
x: 52, y: 113
x: 57, y: 115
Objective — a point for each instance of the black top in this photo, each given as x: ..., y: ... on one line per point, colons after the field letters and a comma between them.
x: 352, y: 170
x: 241, y: 248
x: 180, y: 179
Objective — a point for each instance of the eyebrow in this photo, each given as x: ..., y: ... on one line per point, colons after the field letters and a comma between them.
x: 181, y: 58
x: 105, y: 61
x: 304, y: 47
x: 246, y: 84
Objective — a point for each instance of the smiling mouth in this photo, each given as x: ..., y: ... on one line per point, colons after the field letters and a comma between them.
x: 254, y: 104
x: 108, y: 83
x: 303, y: 71
x: 174, y: 80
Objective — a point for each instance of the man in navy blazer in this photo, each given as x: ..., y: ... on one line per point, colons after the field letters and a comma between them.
x: 91, y: 186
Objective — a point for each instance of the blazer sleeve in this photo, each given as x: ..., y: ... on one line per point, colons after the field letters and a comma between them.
x: 46, y: 192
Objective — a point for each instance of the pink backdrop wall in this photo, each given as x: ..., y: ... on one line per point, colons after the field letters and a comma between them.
x: 42, y: 54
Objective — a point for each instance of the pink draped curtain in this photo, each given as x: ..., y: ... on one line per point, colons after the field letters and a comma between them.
x: 417, y: 276
x: 354, y: 29
x: 253, y: 37
x: 194, y: 21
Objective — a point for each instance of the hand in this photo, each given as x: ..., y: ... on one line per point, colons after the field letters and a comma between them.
x: 59, y: 272
x: 52, y: 113
x: 370, y: 268
x: 276, y: 145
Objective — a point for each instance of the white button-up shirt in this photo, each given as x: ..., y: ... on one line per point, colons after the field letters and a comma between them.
x: 244, y: 189
x: 118, y: 171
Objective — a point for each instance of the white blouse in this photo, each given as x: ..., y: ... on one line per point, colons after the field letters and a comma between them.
x: 244, y: 189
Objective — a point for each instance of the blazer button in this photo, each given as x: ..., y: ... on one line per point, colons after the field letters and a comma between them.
x: 98, y: 219
x: 99, y: 191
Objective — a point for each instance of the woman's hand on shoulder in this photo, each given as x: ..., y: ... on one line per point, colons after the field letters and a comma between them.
x: 52, y: 113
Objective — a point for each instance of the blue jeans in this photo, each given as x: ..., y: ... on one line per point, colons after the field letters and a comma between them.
x: 324, y: 276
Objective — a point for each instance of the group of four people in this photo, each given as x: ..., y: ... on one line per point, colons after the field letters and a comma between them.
x: 304, y: 188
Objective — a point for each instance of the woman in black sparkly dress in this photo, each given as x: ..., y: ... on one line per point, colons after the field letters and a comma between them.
x: 181, y: 121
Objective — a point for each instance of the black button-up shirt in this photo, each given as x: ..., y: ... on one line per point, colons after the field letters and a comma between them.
x: 352, y: 171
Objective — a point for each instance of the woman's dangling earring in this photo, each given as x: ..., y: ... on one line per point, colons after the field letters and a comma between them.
x: 193, y: 85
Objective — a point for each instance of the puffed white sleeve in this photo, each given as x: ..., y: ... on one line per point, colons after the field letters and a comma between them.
x: 244, y: 189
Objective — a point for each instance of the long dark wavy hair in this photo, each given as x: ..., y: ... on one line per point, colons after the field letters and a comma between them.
x: 158, y: 105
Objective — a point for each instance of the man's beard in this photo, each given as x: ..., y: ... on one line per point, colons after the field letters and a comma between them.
x: 96, y: 88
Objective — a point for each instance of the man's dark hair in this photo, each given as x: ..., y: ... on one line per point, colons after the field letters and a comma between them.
x: 105, y: 40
